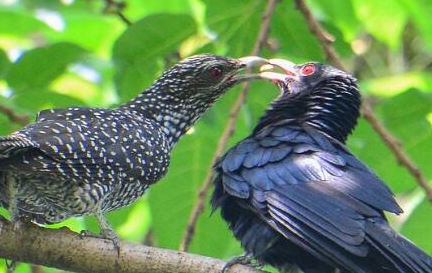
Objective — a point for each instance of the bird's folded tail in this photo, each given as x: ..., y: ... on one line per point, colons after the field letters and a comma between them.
x: 396, y: 251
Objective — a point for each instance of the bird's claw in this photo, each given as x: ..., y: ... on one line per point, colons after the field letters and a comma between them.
x: 112, y: 236
x: 244, y: 259
x: 10, y: 265
x: 105, y: 234
x: 16, y: 225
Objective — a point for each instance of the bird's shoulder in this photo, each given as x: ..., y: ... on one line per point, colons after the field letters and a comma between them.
x: 90, y: 125
x: 71, y: 113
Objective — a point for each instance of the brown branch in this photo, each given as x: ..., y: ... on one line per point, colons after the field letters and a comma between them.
x: 229, y: 130
x: 325, y: 38
x: 66, y: 250
x: 114, y: 7
x: 392, y: 143
x: 14, y: 117
x: 395, y: 146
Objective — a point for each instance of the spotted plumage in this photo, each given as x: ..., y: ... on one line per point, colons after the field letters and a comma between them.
x: 81, y: 161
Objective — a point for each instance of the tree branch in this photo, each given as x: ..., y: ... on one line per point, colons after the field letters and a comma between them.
x: 20, y: 119
x: 392, y: 143
x: 66, y: 250
x: 229, y: 130
x: 114, y: 7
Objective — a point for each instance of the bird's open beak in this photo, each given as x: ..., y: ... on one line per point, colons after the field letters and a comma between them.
x: 279, y: 71
x: 281, y: 79
x: 248, y: 63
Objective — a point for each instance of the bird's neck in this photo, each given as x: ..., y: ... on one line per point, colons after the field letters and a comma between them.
x: 333, y: 108
x: 174, y: 115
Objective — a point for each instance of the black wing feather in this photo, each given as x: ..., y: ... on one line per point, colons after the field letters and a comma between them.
x: 313, y: 192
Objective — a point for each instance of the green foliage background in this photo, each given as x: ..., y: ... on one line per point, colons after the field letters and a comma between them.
x: 61, y: 53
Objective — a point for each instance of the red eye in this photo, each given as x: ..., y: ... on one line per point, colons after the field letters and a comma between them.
x: 307, y: 70
x: 215, y: 72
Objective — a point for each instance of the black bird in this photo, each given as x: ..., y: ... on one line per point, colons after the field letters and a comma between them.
x: 89, y: 161
x: 297, y: 198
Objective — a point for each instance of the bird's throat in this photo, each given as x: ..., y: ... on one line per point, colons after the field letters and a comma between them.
x: 333, y: 108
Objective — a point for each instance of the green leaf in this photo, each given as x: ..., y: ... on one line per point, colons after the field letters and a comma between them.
x: 137, y: 8
x: 21, y: 24
x: 392, y: 85
x: 420, y: 15
x: 341, y: 15
x: 172, y: 198
x: 405, y: 116
x: 386, y: 26
x: 5, y: 125
x: 39, y: 66
x: 418, y: 226
x: 138, y: 49
x: 237, y: 26
x: 90, y: 32
x: 294, y: 37
x: 213, y: 237
x: 41, y: 99
x: 4, y: 63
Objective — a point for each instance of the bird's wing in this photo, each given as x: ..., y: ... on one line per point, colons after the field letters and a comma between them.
x: 307, y: 188
x: 68, y: 143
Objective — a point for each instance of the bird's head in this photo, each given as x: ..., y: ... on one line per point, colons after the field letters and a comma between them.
x: 305, y: 78
x: 205, y: 77
x: 320, y: 95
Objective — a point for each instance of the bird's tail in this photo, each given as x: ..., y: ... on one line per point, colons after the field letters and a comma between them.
x: 395, y: 252
x: 11, y: 143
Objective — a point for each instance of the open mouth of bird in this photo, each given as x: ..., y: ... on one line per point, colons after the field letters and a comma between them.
x: 279, y: 71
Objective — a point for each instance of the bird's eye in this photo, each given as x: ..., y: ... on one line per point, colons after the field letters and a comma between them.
x: 215, y: 72
x: 307, y: 70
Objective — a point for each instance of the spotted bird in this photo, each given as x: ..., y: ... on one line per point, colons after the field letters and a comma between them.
x: 89, y: 161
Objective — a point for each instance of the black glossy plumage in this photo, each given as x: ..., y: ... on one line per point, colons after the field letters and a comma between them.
x: 294, y: 195
x: 81, y: 161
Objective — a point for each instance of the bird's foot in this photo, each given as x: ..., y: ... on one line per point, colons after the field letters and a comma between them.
x: 16, y: 225
x: 18, y: 222
x: 104, y: 234
x: 111, y: 235
x: 108, y: 232
x: 10, y: 265
x: 87, y: 233
x: 244, y: 259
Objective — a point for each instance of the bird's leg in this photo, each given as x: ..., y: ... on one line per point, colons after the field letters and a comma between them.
x: 14, y: 215
x: 13, y: 203
x: 244, y: 259
x: 10, y: 265
x: 106, y: 231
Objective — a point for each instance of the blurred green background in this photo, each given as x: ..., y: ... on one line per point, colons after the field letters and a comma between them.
x: 57, y: 53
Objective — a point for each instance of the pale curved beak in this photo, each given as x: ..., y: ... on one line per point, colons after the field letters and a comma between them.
x: 288, y: 68
x: 252, y: 61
